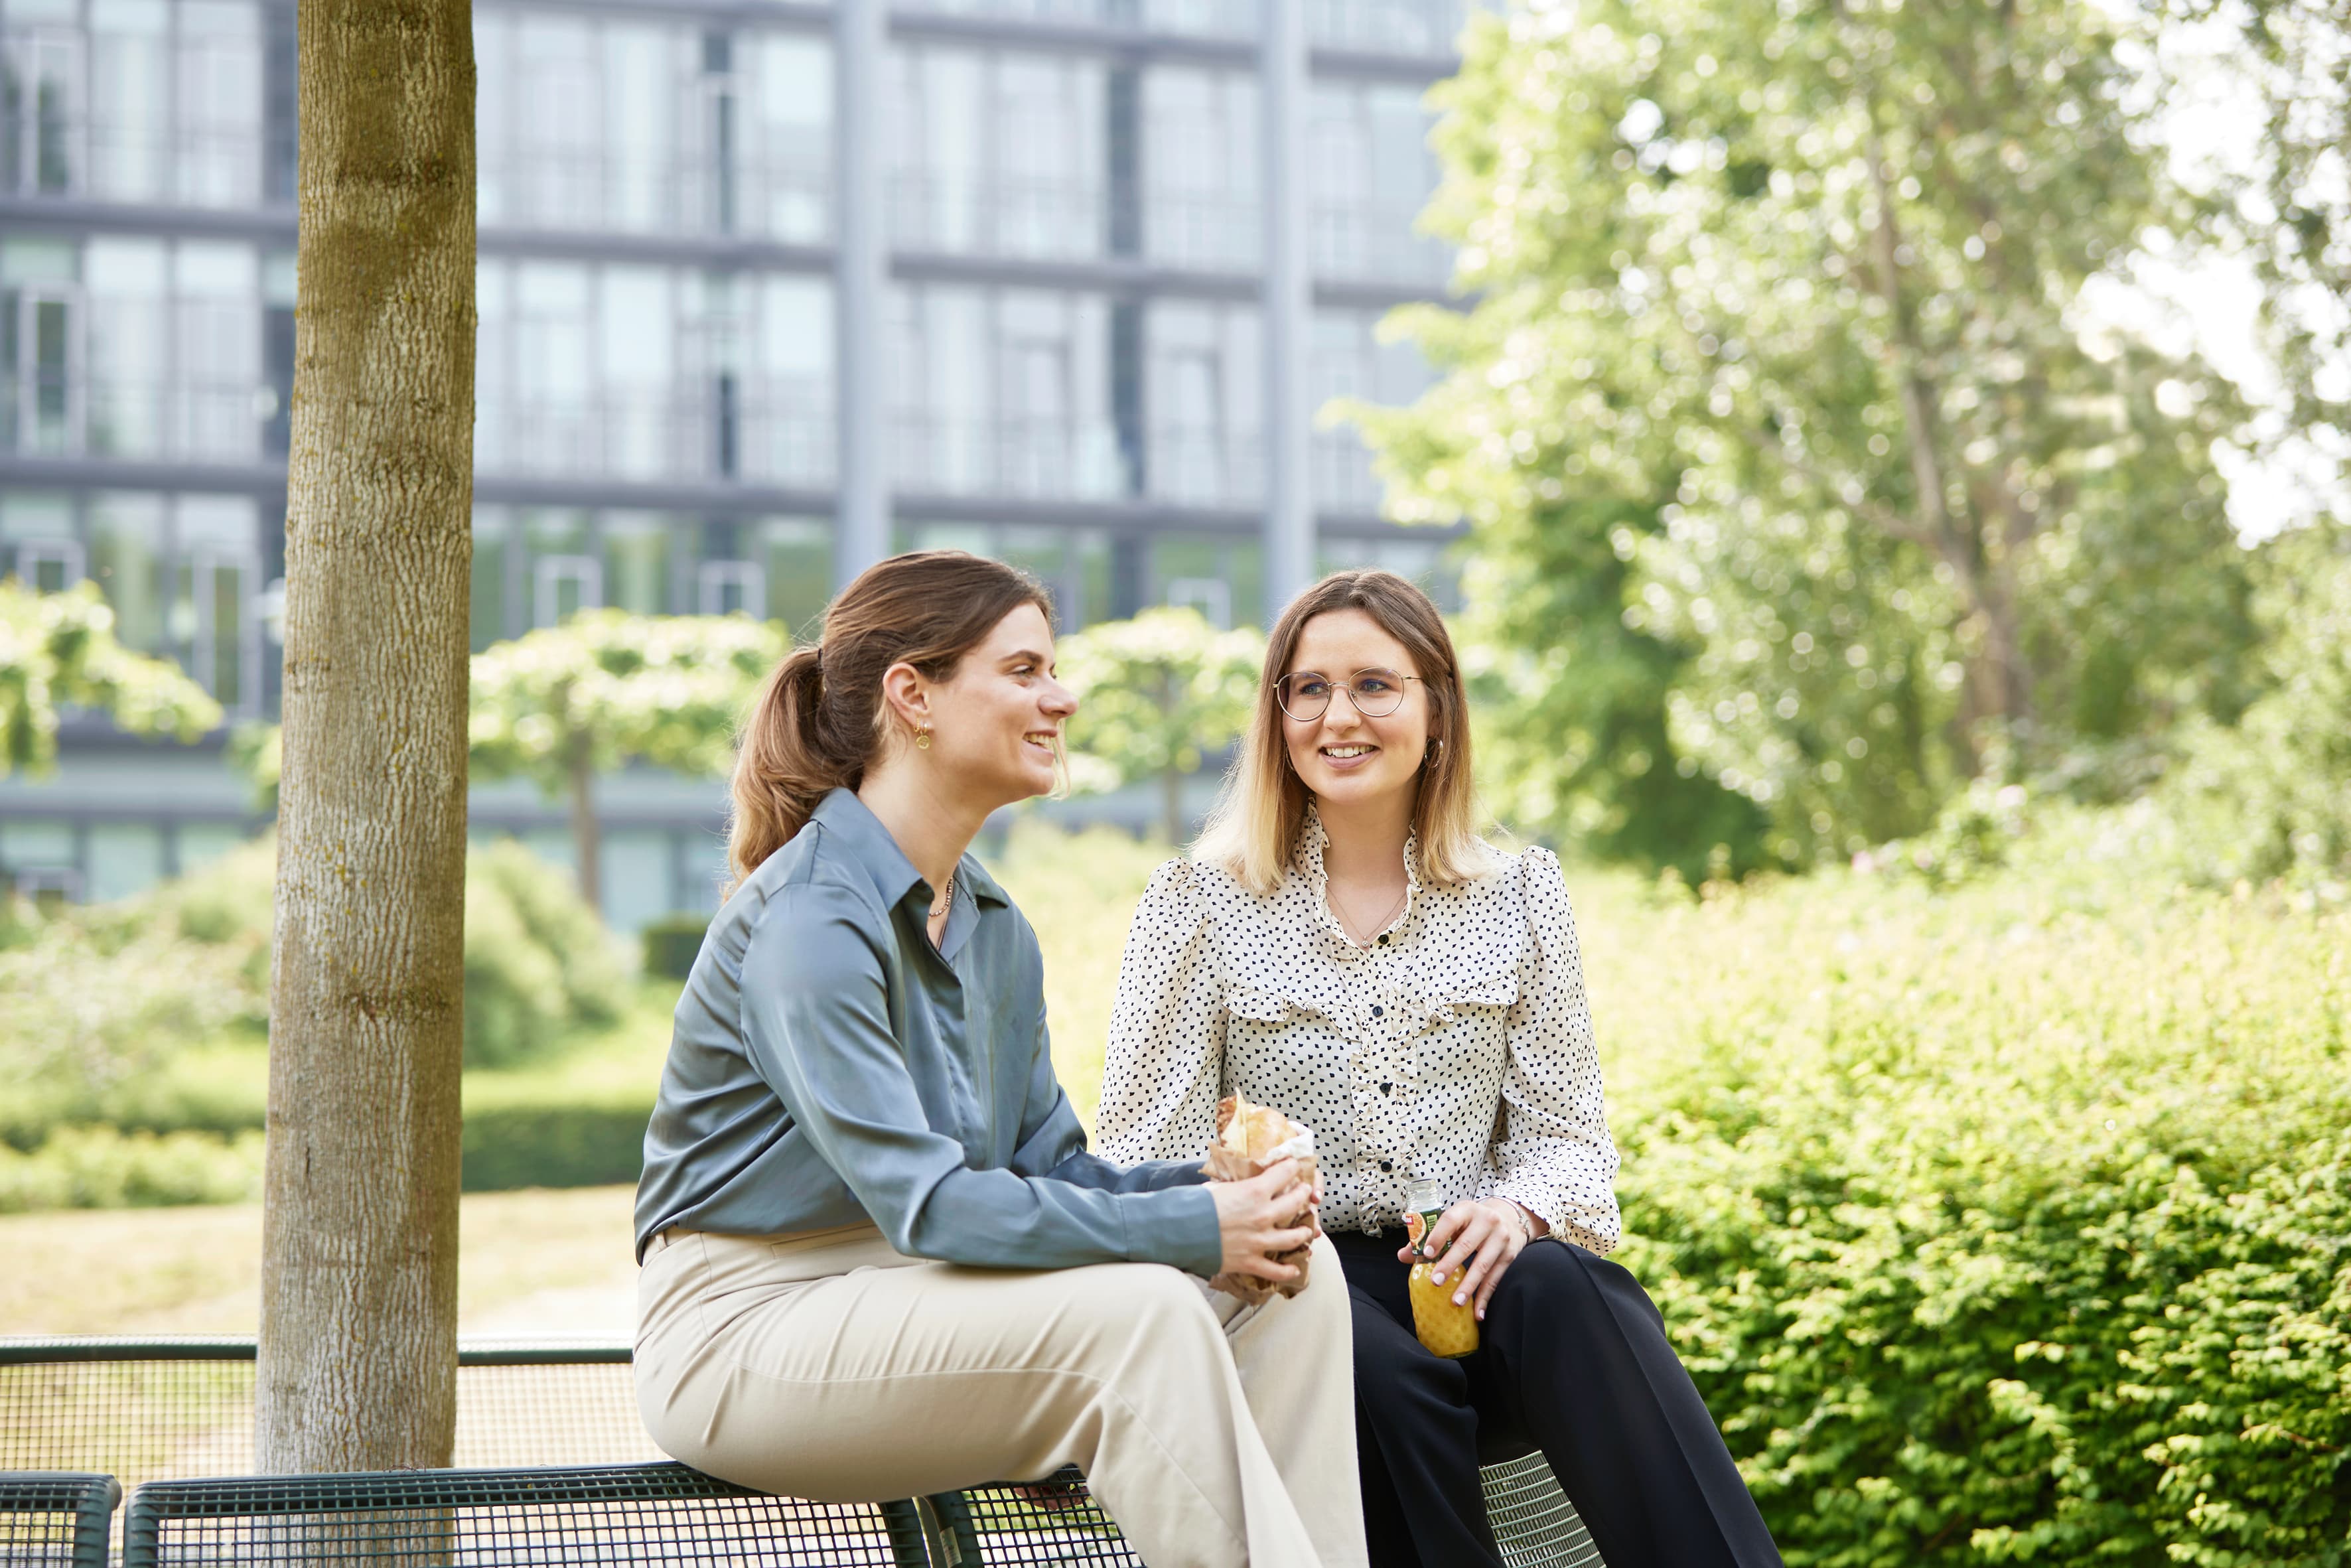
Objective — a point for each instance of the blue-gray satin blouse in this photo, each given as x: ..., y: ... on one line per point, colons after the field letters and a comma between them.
x: 831, y: 1066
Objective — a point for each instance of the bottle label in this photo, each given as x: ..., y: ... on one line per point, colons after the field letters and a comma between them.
x: 1419, y: 1224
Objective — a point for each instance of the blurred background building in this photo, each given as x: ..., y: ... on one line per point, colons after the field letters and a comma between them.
x: 768, y: 290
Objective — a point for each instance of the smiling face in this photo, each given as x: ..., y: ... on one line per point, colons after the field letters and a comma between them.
x: 996, y: 725
x: 1345, y: 756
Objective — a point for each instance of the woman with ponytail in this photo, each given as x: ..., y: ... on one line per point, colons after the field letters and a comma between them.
x: 878, y: 1260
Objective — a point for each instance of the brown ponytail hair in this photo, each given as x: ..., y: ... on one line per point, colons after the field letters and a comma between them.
x: 819, y: 719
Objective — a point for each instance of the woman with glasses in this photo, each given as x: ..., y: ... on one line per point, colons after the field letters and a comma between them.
x: 1342, y: 946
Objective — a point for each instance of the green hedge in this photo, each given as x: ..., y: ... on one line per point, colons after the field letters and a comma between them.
x: 586, y: 1143
x: 99, y: 1168
x: 507, y: 1145
x: 2010, y: 1224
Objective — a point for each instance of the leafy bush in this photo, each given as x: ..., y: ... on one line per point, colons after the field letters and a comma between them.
x: 538, y: 961
x: 2006, y: 1222
x: 2271, y: 796
x: 150, y: 1013
x: 100, y: 1167
x: 673, y: 942
x: 570, y: 1142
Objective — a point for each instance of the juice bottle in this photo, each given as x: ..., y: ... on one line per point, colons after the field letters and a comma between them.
x: 1447, y: 1329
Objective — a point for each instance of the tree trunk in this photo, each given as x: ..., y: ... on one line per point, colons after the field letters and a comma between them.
x: 359, y: 1291
x: 586, y: 840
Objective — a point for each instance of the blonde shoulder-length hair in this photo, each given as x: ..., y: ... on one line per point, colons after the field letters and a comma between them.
x: 1253, y: 833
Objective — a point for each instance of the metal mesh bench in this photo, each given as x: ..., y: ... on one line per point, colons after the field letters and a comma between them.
x: 171, y: 1408
x: 1058, y: 1521
x: 662, y: 1513
x: 166, y: 1409
x: 58, y: 1517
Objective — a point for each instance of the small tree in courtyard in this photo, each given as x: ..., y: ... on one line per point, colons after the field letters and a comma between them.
x: 1160, y: 691
x: 561, y: 705
x: 58, y: 651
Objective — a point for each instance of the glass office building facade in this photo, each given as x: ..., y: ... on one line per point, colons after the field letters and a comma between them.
x: 768, y: 290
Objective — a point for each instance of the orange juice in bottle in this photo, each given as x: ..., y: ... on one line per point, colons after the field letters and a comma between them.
x: 1443, y: 1327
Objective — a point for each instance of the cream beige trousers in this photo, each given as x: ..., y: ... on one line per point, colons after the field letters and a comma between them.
x: 832, y: 1367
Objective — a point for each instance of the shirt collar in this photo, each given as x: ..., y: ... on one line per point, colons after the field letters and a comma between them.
x: 869, y: 843
x: 1311, y: 836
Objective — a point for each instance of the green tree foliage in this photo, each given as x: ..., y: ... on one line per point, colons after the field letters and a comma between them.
x: 563, y: 703
x: 58, y: 651
x: 1798, y: 468
x: 2271, y: 796
x: 1158, y: 694
x: 2293, y: 205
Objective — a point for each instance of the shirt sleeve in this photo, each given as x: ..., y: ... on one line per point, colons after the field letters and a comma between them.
x: 1054, y: 1143
x: 815, y: 1021
x: 1167, y: 1050
x: 1554, y: 1156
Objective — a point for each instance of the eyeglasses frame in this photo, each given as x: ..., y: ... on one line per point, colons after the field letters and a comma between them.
x: 1348, y: 687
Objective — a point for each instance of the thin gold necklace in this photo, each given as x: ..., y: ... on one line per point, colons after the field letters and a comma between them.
x: 1377, y: 924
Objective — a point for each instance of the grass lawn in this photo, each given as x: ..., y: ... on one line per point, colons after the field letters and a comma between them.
x: 554, y: 1261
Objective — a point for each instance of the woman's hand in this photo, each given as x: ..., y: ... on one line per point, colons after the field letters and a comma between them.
x: 1478, y: 1240
x: 1264, y: 1215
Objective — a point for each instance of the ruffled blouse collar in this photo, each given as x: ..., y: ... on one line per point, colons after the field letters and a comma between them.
x: 1311, y: 838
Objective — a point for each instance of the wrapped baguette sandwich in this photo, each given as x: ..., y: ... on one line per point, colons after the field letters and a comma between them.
x: 1248, y: 1139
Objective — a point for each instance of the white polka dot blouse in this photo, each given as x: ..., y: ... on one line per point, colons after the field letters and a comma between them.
x: 1456, y: 1044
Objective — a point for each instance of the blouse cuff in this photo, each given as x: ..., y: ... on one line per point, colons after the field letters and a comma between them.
x: 1540, y: 1198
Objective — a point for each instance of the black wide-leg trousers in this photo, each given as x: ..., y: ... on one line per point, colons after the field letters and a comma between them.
x: 1571, y: 1359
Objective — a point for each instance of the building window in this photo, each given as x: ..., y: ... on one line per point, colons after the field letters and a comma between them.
x: 38, y: 542
x: 731, y: 588
x: 646, y: 372
x: 1351, y: 363
x: 1201, y: 176
x: 40, y: 354
x: 563, y: 586
x: 636, y: 551
x: 214, y: 620
x: 1369, y: 173
x: 489, y: 620
x: 1427, y: 29
x: 647, y: 127
x: 795, y: 554
x: 41, y: 111
x: 1202, y: 394
x: 1222, y: 578
x: 1003, y: 392
x: 1002, y: 155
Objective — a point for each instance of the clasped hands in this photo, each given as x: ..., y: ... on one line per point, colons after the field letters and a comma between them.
x: 1268, y: 1214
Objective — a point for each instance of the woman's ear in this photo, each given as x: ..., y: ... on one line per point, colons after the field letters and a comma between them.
x: 907, y: 696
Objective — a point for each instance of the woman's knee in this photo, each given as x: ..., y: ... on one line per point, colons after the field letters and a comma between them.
x: 1563, y: 1281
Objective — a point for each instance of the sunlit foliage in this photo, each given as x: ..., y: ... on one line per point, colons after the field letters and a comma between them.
x: 1797, y: 470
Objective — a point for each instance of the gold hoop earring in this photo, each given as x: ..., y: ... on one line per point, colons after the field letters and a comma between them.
x: 921, y: 740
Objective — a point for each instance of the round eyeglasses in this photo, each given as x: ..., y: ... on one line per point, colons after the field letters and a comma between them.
x: 1305, y: 695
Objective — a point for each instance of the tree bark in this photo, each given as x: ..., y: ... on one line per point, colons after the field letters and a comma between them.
x: 359, y: 1294
x: 587, y: 840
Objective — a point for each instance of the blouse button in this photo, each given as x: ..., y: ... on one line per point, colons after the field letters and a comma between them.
x: 1387, y: 1164
x: 1378, y: 1011
x: 1384, y: 939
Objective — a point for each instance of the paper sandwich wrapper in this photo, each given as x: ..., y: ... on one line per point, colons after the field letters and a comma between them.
x: 1248, y: 1139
